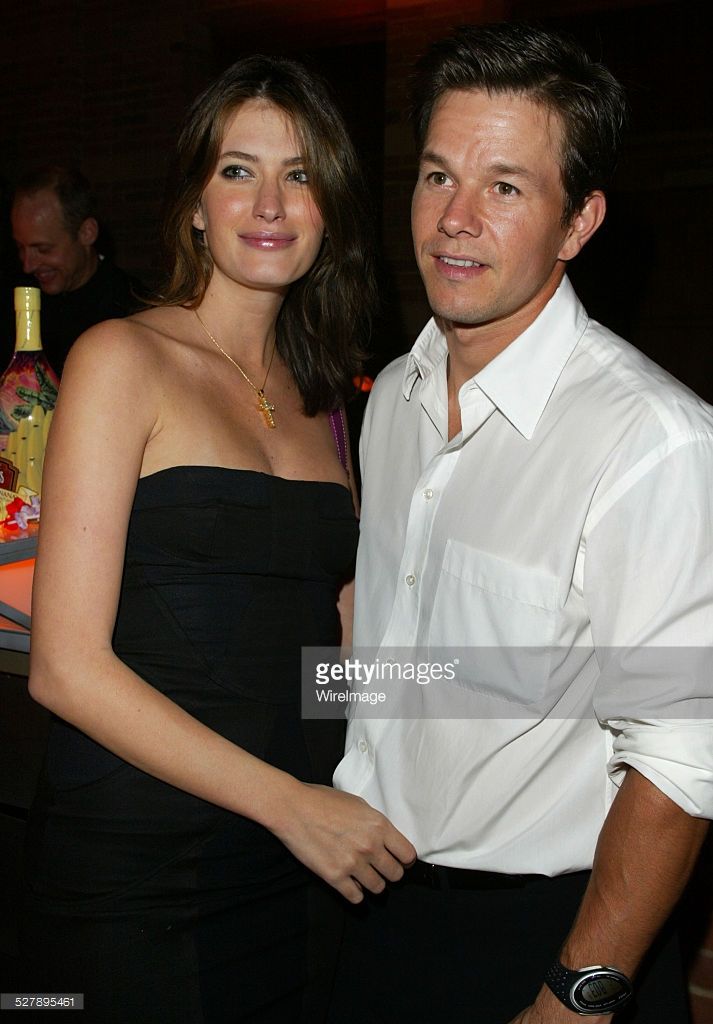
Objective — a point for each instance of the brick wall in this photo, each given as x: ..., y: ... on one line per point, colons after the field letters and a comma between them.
x: 102, y: 85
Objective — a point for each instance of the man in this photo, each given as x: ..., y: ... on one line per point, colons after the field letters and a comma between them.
x: 55, y: 230
x: 537, y: 518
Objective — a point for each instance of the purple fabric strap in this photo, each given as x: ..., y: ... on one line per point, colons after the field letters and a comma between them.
x: 339, y: 429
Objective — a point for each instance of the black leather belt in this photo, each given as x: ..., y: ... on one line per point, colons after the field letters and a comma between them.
x: 436, y: 876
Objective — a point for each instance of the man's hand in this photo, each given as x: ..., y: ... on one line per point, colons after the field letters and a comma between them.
x: 534, y: 1016
x: 547, y: 1009
x: 648, y: 844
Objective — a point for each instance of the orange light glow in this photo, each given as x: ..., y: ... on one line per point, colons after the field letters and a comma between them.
x: 363, y: 383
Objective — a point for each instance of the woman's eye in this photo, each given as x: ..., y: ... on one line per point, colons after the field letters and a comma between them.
x: 235, y: 171
x: 299, y: 176
x: 504, y: 188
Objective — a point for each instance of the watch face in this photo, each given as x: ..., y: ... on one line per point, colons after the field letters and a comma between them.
x: 602, y: 990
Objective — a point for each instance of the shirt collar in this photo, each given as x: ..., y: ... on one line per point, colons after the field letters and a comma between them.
x: 427, y: 354
x: 520, y: 380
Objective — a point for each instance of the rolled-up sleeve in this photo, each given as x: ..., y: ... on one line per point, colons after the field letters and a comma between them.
x: 648, y: 585
x: 677, y: 757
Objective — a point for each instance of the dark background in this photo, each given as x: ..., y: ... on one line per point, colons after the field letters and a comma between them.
x: 104, y: 84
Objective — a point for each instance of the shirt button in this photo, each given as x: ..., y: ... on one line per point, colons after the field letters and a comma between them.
x: 428, y: 494
x: 363, y: 746
x: 410, y: 580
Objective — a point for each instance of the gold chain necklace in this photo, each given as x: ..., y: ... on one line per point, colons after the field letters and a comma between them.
x: 263, y: 405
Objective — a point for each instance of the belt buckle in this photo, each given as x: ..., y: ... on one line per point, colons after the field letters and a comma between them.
x: 433, y: 876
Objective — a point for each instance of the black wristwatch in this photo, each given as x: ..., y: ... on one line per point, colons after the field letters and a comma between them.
x: 591, y: 990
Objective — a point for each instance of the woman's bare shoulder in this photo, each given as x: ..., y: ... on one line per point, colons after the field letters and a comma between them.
x: 135, y: 344
x: 164, y: 321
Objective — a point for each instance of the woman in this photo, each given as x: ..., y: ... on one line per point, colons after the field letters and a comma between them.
x: 196, y: 525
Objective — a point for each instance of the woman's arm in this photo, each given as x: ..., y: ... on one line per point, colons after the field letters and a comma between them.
x: 110, y: 408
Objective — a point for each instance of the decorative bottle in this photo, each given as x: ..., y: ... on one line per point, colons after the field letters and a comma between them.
x: 28, y: 394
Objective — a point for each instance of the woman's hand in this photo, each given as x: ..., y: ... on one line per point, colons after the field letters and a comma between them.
x: 344, y: 840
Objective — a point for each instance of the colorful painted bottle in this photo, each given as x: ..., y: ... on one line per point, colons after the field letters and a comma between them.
x: 28, y: 394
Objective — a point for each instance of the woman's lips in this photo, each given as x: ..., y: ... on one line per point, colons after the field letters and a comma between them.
x: 267, y: 240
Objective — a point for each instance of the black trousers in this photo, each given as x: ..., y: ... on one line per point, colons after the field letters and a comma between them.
x: 446, y: 956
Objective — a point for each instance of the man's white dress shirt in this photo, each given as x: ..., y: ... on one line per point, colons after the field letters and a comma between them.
x: 573, y: 513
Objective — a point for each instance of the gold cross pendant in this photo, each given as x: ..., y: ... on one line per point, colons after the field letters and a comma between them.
x: 266, y: 408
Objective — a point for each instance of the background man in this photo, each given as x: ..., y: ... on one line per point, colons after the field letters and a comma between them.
x: 537, y: 500
x: 55, y: 229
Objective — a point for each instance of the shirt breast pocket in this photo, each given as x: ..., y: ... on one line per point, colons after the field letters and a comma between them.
x: 498, y: 620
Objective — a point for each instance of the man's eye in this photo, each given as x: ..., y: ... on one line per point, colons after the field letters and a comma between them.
x: 299, y: 176
x: 235, y: 171
x: 504, y: 188
x: 438, y: 178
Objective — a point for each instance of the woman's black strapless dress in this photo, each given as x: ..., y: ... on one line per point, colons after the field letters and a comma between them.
x: 161, y: 907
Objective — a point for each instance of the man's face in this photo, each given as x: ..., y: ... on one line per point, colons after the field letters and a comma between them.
x: 487, y: 210
x: 60, y: 261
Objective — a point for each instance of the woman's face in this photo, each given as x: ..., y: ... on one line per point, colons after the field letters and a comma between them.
x: 262, y: 226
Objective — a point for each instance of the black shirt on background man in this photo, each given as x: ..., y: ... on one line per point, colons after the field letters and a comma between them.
x: 55, y: 231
